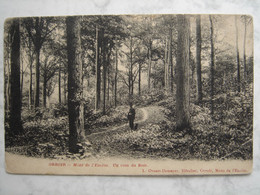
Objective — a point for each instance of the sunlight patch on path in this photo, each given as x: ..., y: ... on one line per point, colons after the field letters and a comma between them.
x: 145, y: 115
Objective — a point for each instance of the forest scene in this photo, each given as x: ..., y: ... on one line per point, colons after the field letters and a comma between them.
x: 132, y: 86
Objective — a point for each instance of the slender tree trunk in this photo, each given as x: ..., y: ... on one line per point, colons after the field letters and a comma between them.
x: 104, y: 52
x: 238, y: 63
x: 149, y: 64
x: 30, y: 84
x: 212, y: 65
x: 198, y: 59
x: 59, y: 81
x: 108, y: 82
x: 244, y: 48
x: 131, y: 70
x: 64, y: 88
x: 116, y: 77
x: 75, y: 86
x: 22, y: 75
x: 166, y: 66
x: 139, y: 79
x: 15, y: 106
x: 44, y: 86
x: 182, y: 73
x: 224, y: 80
x: 37, y: 80
x: 170, y: 59
x: 7, y: 68
x: 98, y: 76
x: 108, y: 75
x: 7, y: 90
x: 44, y: 90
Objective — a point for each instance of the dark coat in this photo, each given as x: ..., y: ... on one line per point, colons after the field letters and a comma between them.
x: 131, y: 114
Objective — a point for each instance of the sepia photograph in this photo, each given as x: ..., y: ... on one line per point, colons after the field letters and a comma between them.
x: 129, y: 94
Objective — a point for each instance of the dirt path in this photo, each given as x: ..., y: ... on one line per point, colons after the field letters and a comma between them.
x: 150, y: 114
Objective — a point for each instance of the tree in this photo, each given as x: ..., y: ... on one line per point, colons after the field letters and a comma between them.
x: 238, y: 59
x: 98, y: 75
x: 59, y: 81
x: 48, y: 70
x: 60, y: 54
x: 198, y: 59
x: 15, y: 106
x: 182, y: 73
x: 99, y: 34
x: 165, y: 36
x: 247, y: 20
x: 7, y: 57
x: 212, y: 64
x: 75, y: 87
x: 133, y: 58
x: 170, y: 64
x: 38, y: 29
x: 30, y: 52
x: 116, y: 71
x: 149, y: 63
x: 166, y: 66
x: 104, y: 53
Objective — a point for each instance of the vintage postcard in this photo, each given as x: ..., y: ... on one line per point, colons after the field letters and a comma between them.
x: 129, y: 95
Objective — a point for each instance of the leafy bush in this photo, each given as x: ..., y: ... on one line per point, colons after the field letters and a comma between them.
x: 41, y: 138
x: 115, y: 116
x: 149, y: 97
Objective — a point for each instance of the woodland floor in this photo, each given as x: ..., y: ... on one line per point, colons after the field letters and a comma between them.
x: 154, y: 138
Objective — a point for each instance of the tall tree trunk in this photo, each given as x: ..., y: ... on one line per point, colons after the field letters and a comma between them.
x: 166, y: 66
x: 44, y: 91
x: 182, y: 73
x: 238, y: 63
x: 212, y: 65
x: 98, y: 76
x: 244, y: 48
x: 30, y: 84
x: 44, y: 86
x: 59, y: 82
x: 131, y: 70
x: 75, y: 86
x: 22, y: 75
x: 37, y: 80
x: 139, y: 79
x: 149, y: 64
x: 15, y: 106
x: 7, y: 89
x: 104, y: 52
x: 108, y: 82
x: 64, y: 88
x: 7, y: 68
x: 108, y: 74
x: 198, y: 59
x: 116, y: 77
x: 170, y: 58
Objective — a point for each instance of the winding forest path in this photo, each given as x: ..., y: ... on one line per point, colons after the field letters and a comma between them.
x: 150, y: 114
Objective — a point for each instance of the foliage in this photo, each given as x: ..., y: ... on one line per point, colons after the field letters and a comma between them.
x: 41, y: 138
x: 207, y: 141
x: 115, y: 116
x: 210, y: 137
x: 149, y: 97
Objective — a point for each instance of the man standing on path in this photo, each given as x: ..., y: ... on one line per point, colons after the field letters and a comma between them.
x: 131, y: 116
